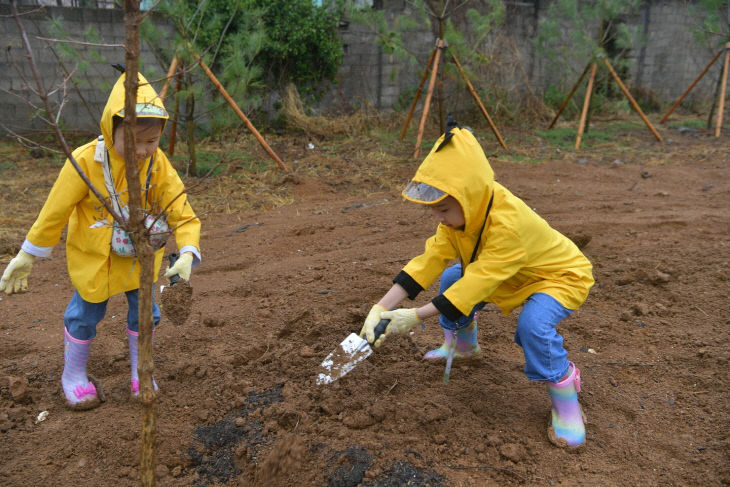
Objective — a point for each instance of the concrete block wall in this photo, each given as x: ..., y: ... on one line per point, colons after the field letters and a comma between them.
x: 672, y: 58
x: 88, y: 93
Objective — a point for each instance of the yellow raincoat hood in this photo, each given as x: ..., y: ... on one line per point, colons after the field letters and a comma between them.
x: 516, y: 253
x: 149, y: 104
x: 460, y: 169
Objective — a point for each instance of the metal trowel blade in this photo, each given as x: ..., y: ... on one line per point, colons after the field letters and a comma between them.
x: 343, y: 359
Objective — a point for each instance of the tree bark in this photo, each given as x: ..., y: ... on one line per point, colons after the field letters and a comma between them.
x: 145, y: 254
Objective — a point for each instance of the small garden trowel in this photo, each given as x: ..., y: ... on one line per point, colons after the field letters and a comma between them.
x: 343, y: 359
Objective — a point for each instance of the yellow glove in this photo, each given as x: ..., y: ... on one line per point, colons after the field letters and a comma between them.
x: 15, y: 277
x: 182, y: 267
x: 371, y: 322
x: 402, y: 321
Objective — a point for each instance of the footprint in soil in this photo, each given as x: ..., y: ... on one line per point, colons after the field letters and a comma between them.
x: 176, y: 302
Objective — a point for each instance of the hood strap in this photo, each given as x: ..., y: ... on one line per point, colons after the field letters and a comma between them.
x: 479, y: 237
x: 101, y: 154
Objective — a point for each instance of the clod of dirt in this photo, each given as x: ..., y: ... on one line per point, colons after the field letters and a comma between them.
x: 18, y: 388
x: 580, y: 239
x: 513, y: 452
x: 177, y: 302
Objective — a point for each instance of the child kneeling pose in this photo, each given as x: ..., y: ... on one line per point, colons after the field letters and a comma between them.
x: 509, y: 256
x: 100, y: 259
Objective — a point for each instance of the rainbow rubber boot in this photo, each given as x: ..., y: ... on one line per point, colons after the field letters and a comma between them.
x: 567, y: 421
x: 466, y: 343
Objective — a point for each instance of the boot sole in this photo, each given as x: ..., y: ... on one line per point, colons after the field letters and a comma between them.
x: 92, y: 402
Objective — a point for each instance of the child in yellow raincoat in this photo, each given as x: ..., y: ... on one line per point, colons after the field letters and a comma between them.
x: 98, y: 271
x: 509, y: 256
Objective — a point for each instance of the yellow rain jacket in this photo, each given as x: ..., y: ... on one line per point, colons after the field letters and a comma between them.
x: 95, y: 271
x: 518, y: 253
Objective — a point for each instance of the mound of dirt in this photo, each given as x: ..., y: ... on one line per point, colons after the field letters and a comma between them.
x: 176, y: 302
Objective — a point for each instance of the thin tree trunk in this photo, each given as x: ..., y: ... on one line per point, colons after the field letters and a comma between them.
x: 145, y: 254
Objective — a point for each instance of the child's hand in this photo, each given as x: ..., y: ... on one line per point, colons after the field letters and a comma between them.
x: 402, y: 321
x: 15, y: 277
x: 373, y: 318
x: 182, y: 267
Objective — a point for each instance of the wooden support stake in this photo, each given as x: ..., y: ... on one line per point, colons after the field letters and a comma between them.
x: 723, y: 87
x: 429, y: 94
x: 570, y: 95
x: 632, y: 101
x: 170, y: 74
x: 173, y: 128
x: 418, y: 94
x: 479, y: 102
x: 679, y: 100
x: 240, y: 113
x: 586, y: 104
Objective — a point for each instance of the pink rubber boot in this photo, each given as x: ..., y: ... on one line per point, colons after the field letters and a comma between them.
x: 566, y: 428
x: 79, y: 391
x: 133, y: 337
x: 466, y: 344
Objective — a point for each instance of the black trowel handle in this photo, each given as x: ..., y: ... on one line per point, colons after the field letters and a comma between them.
x: 380, y: 329
x: 173, y: 258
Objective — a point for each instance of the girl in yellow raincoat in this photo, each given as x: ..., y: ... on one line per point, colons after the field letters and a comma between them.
x: 509, y: 256
x: 97, y: 270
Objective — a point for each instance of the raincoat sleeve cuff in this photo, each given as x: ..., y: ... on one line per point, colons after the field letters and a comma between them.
x: 408, y: 283
x: 35, y: 250
x: 196, y: 254
x: 446, y: 308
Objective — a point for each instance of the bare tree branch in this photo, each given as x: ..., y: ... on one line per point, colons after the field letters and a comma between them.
x: 56, y: 129
x: 81, y: 43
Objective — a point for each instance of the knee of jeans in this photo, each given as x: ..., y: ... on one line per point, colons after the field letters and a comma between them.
x: 526, y: 331
x: 449, y: 277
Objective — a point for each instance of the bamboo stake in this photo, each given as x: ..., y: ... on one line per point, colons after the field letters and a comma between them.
x: 170, y: 73
x: 723, y: 87
x: 570, y: 95
x: 479, y: 102
x: 679, y: 100
x: 240, y: 114
x: 586, y: 103
x: 429, y: 94
x: 418, y: 94
x: 632, y: 101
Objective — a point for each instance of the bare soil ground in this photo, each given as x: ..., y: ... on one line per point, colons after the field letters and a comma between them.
x: 238, y: 403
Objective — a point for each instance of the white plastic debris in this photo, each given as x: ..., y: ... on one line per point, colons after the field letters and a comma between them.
x: 42, y: 416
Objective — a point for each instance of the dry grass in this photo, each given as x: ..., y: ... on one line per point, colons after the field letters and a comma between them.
x: 297, y: 118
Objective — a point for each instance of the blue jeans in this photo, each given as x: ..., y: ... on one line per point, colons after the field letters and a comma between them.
x: 449, y: 277
x: 81, y: 317
x: 545, y: 356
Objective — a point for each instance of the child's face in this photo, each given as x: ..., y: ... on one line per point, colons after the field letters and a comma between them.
x: 148, y: 138
x: 448, y: 212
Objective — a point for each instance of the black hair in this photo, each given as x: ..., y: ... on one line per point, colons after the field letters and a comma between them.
x: 141, y: 122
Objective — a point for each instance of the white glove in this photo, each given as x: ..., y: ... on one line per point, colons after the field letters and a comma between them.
x: 15, y: 277
x: 182, y: 267
x: 373, y: 318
